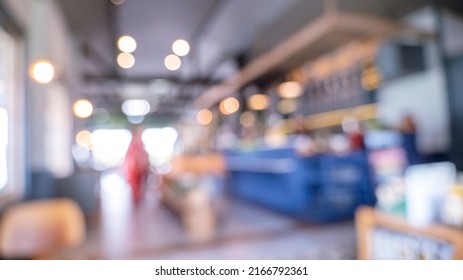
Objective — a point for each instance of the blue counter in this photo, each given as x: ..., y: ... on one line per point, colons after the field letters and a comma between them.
x: 320, y: 188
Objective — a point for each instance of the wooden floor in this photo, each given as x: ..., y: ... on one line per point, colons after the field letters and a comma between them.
x: 245, y: 231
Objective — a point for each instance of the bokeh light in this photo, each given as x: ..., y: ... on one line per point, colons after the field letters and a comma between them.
x: 290, y: 89
x: 127, y: 44
x: 229, y: 106
x: 247, y: 119
x: 125, y: 60
x: 204, y: 117
x: 172, y: 62
x: 117, y: 2
x: 42, y: 71
x: 84, y: 139
x: 136, y: 107
x: 258, y: 102
x: 83, y: 108
x: 181, y: 47
x: 287, y: 106
x: 160, y: 143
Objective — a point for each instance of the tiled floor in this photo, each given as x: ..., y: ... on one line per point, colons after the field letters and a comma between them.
x: 245, y: 231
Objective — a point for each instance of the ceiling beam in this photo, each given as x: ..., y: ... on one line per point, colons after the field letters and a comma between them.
x: 355, y: 25
x: 148, y: 79
x: 267, y: 61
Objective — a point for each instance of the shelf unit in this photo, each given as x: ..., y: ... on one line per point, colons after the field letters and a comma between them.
x: 368, y: 218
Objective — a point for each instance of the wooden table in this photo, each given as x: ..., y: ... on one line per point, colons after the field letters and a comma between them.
x: 367, y: 218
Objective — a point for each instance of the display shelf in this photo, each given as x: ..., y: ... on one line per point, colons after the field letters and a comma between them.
x: 367, y: 219
x: 198, y: 164
x: 193, y: 207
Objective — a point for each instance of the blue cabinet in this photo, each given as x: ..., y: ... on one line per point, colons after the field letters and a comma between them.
x: 320, y: 188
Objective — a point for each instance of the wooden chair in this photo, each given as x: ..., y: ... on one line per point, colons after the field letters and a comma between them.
x: 41, y: 229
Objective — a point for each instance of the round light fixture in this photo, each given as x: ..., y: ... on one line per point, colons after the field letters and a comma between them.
x: 172, y: 62
x: 247, y: 119
x: 83, y: 108
x: 127, y: 44
x: 117, y: 2
x: 84, y: 139
x: 229, y: 106
x: 181, y: 47
x: 204, y: 117
x: 287, y: 106
x: 126, y: 60
x: 136, y: 107
x: 290, y: 89
x: 42, y: 71
x: 258, y: 102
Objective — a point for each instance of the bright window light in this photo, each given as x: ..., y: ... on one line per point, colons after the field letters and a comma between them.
x: 160, y: 142
x: 110, y: 146
x: 3, y: 148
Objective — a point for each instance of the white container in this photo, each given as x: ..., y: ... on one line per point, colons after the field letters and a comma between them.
x: 426, y: 187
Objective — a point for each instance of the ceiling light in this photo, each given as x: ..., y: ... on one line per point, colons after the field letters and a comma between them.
x: 181, y: 47
x: 287, y: 106
x: 371, y: 77
x: 247, y: 119
x: 290, y: 89
x: 84, y: 139
x: 127, y: 44
x: 135, y: 119
x: 229, y: 106
x: 172, y: 62
x: 117, y: 2
x: 125, y: 60
x: 204, y: 117
x: 258, y: 102
x: 136, y: 107
x: 42, y: 71
x: 83, y: 108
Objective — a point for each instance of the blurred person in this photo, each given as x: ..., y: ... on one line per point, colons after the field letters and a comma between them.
x: 303, y: 142
x: 353, y: 129
x: 136, y: 164
x: 408, y: 131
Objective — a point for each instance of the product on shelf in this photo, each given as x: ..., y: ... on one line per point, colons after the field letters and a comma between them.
x: 452, y: 210
x: 426, y: 188
x: 393, y: 245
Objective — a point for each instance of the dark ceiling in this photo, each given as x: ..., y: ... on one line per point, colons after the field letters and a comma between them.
x: 223, y: 34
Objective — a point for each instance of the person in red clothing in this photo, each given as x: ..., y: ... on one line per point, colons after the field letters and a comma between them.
x: 352, y: 128
x: 136, y: 164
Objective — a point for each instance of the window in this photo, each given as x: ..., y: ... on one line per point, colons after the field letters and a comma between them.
x: 11, y: 119
x: 4, y: 127
x: 3, y: 148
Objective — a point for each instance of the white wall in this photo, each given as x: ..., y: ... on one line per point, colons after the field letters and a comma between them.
x: 423, y: 96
